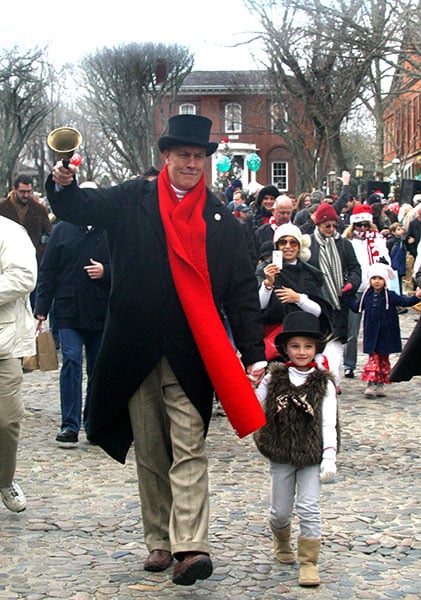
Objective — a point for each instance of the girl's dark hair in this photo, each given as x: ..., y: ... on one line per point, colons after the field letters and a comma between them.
x: 320, y: 345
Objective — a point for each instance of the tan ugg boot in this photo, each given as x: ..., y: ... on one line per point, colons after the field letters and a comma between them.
x: 308, y: 555
x: 282, y: 545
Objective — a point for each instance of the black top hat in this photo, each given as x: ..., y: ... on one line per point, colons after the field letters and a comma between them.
x: 299, y: 323
x: 188, y: 130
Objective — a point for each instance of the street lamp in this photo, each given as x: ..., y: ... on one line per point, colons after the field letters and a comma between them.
x: 359, y: 172
x: 396, y: 177
x: 396, y: 162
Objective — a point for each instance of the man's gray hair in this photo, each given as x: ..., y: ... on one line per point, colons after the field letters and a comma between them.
x: 280, y: 200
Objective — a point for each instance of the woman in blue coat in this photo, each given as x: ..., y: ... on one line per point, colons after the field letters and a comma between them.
x: 381, y: 335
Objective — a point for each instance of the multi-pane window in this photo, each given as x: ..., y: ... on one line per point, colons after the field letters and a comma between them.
x: 233, y: 118
x: 280, y: 175
x: 187, y: 109
x: 278, y: 117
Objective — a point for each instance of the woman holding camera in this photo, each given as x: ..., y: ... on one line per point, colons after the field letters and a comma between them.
x: 290, y: 286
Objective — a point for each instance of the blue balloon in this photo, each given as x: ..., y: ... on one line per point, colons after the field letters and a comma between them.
x: 253, y: 162
x: 223, y: 164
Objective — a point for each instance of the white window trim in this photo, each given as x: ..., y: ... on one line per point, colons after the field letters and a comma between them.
x: 277, y: 182
x: 191, y: 109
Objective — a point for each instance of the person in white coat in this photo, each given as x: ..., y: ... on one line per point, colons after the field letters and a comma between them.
x: 370, y: 247
x: 18, y: 274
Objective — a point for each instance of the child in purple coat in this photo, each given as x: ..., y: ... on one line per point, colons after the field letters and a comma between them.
x: 381, y: 335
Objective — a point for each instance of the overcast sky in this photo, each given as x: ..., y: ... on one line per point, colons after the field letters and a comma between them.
x: 72, y: 29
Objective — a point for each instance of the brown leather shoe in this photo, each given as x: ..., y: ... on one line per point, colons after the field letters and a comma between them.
x: 193, y: 566
x: 158, y: 560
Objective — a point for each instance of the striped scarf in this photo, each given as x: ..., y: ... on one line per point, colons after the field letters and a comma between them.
x: 370, y: 237
x: 331, y: 266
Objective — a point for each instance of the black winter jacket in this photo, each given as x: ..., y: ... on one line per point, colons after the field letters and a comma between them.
x: 146, y: 320
x: 351, y: 270
x: 79, y: 301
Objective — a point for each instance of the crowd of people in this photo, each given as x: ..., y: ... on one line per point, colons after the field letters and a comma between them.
x: 181, y: 296
x: 347, y: 236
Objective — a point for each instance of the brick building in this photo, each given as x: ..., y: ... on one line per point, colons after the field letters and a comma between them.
x: 240, y: 105
x: 402, y: 129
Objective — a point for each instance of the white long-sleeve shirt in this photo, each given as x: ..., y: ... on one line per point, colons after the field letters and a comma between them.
x: 304, y: 302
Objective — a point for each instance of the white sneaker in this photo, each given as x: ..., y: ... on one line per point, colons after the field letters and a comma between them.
x: 370, y: 391
x: 380, y: 390
x: 13, y: 497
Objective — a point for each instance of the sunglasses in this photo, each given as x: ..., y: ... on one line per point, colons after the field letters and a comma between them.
x: 363, y: 224
x: 293, y: 243
x: 330, y: 226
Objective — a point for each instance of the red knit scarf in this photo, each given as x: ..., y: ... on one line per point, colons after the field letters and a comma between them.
x: 185, y: 231
x: 308, y: 365
x: 371, y: 238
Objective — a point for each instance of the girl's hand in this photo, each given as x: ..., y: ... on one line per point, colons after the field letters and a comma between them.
x: 255, y: 374
x: 327, y: 470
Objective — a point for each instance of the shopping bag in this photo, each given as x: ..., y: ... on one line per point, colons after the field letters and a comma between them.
x: 30, y: 363
x: 46, y: 351
x: 394, y: 283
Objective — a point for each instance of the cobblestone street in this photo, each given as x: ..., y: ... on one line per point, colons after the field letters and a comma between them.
x: 81, y: 535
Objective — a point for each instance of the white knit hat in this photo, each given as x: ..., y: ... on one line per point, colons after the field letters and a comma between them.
x: 302, y: 238
x: 379, y: 269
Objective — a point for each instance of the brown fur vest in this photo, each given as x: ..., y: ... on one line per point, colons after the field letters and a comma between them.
x: 293, y: 432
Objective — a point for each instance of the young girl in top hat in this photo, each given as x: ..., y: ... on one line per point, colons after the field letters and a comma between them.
x: 300, y: 440
x: 381, y: 333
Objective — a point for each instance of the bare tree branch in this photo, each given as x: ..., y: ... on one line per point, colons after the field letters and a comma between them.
x: 124, y: 88
x: 24, y: 80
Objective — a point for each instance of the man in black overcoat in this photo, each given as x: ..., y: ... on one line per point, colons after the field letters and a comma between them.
x: 177, y: 257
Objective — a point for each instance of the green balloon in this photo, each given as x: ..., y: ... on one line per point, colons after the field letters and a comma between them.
x: 253, y: 162
x: 223, y: 164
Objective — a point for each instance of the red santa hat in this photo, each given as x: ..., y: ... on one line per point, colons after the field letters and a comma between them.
x: 360, y: 213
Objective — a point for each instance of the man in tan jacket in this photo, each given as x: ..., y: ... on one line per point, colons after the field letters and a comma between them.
x: 18, y: 273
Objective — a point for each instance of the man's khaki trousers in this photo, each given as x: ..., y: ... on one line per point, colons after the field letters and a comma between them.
x: 11, y: 413
x: 171, y: 464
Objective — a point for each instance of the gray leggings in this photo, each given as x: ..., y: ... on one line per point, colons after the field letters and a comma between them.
x: 289, y: 483
x: 351, y: 349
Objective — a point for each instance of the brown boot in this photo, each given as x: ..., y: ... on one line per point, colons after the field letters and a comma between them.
x: 308, y: 555
x: 282, y: 545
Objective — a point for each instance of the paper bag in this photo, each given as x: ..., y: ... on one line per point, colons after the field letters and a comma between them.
x: 30, y: 363
x: 46, y: 351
